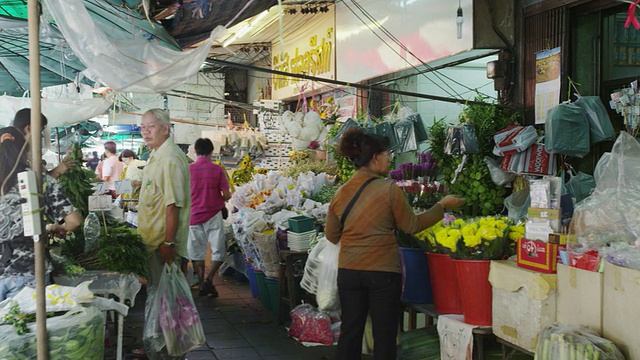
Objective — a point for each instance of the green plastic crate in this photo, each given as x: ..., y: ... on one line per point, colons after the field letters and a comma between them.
x: 301, y: 224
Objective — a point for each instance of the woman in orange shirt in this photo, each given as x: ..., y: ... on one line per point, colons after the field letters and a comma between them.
x: 369, y: 275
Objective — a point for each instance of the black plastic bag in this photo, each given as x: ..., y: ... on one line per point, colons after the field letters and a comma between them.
x: 406, y: 135
x: 385, y: 129
x: 418, y: 125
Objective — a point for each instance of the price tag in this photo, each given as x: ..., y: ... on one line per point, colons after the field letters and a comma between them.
x: 101, y: 188
x: 99, y: 202
x: 123, y: 186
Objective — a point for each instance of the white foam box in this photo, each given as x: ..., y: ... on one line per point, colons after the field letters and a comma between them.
x: 580, y: 296
x: 524, y: 303
x: 620, y: 317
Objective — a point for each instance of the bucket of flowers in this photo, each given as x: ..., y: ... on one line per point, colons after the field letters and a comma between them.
x: 478, y: 241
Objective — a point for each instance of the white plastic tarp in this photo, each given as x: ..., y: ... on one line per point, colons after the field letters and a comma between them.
x: 125, y: 65
x: 59, y: 112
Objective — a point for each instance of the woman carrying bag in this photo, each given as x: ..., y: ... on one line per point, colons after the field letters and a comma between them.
x: 362, y: 217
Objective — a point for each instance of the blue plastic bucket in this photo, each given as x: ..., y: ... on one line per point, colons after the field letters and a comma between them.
x: 253, y: 281
x: 416, y: 284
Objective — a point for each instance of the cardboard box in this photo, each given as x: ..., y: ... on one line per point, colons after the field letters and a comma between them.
x: 620, y: 317
x: 524, y: 303
x: 561, y: 239
x: 537, y: 255
x: 580, y: 295
x: 552, y: 217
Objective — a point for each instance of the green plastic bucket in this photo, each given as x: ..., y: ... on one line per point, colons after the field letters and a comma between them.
x: 263, y: 292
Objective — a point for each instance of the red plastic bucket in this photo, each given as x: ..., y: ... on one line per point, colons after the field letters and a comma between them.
x: 444, y: 284
x: 475, y: 291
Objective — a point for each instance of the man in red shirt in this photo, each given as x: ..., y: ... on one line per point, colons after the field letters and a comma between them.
x: 209, y: 191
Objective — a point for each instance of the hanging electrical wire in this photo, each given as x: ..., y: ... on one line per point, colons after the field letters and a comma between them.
x: 435, y: 72
x: 393, y: 49
x: 405, y: 48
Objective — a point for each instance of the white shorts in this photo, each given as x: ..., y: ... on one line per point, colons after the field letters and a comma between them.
x: 210, y: 232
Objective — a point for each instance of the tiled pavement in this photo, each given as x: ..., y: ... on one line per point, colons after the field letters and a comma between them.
x: 236, y: 327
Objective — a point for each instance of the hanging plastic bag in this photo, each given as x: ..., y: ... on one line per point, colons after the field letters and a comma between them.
x: 347, y: 124
x: 600, y: 126
x: 580, y: 186
x: 567, y: 130
x: 517, y: 204
x: 368, y: 125
x: 172, y: 319
x: 385, y: 129
x: 327, y: 293
x: 461, y: 139
x: 498, y: 176
x: 406, y: 135
x: 421, y: 131
x: 514, y: 139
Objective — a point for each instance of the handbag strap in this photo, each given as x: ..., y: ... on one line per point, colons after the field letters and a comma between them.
x: 347, y: 210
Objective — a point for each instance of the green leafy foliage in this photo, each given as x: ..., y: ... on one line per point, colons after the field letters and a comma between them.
x: 120, y: 250
x: 474, y: 184
x: 344, y: 165
x: 325, y: 194
x: 77, y: 182
x: 306, y: 165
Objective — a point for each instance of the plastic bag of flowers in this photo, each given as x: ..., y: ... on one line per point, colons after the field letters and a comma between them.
x: 563, y: 342
x: 172, y: 319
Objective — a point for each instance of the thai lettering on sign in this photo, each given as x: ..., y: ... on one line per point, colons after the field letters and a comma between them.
x: 313, y: 62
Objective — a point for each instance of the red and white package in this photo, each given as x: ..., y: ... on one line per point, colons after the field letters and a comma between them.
x: 538, y: 161
x: 513, y: 163
x: 514, y: 139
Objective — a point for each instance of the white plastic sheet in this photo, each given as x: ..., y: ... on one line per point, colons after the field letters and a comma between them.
x: 125, y: 65
x: 59, y: 112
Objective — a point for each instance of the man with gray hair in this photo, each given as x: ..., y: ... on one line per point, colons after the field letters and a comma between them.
x: 164, y: 203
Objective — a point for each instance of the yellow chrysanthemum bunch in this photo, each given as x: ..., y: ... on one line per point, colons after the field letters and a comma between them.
x: 443, y: 237
x: 516, y: 232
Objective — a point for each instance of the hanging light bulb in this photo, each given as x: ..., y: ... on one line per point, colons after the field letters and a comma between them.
x: 459, y: 20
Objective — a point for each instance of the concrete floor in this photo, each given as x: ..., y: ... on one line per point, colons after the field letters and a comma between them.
x: 236, y: 327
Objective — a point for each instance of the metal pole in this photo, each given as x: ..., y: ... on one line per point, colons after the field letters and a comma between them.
x: 355, y: 85
x: 36, y: 166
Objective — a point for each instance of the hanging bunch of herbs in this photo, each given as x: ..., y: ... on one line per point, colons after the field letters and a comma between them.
x: 474, y: 182
x: 77, y: 182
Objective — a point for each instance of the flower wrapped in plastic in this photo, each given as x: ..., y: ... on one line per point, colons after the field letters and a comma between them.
x: 172, y: 320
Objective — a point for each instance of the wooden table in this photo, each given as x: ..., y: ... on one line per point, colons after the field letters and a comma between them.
x: 287, y: 281
x: 429, y: 310
x: 509, y: 349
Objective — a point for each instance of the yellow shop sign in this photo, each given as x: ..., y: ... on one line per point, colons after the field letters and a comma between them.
x: 314, y: 61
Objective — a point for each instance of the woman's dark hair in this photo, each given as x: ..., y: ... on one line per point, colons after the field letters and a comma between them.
x: 359, y: 146
x: 23, y: 118
x: 203, y: 147
x: 10, y: 149
x: 128, y: 154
